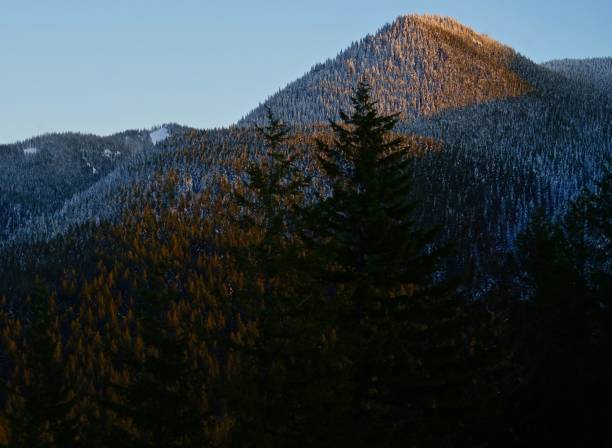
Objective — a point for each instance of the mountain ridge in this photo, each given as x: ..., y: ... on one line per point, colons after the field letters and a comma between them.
x: 595, y: 71
x: 419, y: 65
x: 515, y: 136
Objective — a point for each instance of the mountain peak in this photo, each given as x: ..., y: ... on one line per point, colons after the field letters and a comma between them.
x: 418, y: 65
x: 446, y: 22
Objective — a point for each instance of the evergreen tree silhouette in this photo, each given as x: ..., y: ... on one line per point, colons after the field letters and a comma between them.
x: 567, y: 325
x: 280, y: 398
x: 404, y: 337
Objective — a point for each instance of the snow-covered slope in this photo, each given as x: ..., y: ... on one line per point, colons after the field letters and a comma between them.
x: 159, y: 135
x: 518, y: 135
x: 30, y: 151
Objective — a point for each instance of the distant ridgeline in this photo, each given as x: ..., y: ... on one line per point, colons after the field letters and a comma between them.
x: 596, y: 71
x: 50, y: 182
x: 501, y: 137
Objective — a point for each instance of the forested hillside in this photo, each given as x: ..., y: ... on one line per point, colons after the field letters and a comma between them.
x: 417, y: 65
x: 40, y: 178
x: 517, y: 136
x: 595, y: 71
x: 508, y: 137
x: 409, y: 246
x: 295, y: 299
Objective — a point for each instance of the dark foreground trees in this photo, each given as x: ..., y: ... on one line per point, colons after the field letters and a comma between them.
x: 406, y: 339
x: 567, y: 323
x: 165, y: 399
x: 357, y: 344
x: 283, y: 395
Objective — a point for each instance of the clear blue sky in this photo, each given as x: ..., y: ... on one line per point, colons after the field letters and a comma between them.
x: 108, y: 65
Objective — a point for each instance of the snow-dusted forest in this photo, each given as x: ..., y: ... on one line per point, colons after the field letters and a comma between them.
x: 513, y: 137
x: 410, y: 245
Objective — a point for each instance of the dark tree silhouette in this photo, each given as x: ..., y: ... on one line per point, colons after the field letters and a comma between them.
x: 404, y: 338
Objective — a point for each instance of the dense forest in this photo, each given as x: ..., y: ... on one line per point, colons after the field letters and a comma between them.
x: 284, y: 306
x: 594, y: 71
x: 408, y: 246
x: 42, y: 177
x: 504, y: 138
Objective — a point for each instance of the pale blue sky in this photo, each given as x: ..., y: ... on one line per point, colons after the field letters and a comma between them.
x: 109, y: 65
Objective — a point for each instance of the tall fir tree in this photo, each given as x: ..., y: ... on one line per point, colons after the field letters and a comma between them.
x: 281, y: 398
x: 273, y: 190
x: 404, y: 340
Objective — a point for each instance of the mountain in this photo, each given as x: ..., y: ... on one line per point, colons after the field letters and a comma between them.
x: 40, y: 175
x: 594, y: 71
x: 517, y: 135
x: 511, y: 136
x: 417, y: 65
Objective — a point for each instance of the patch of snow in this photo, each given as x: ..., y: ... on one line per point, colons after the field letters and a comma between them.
x: 30, y: 151
x: 109, y: 154
x: 89, y: 165
x: 159, y: 135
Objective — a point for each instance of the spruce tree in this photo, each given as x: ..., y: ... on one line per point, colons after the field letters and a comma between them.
x: 273, y: 189
x: 403, y: 339
x: 280, y: 397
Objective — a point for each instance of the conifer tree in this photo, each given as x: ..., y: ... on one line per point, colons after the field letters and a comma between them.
x: 593, y: 233
x: 402, y: 339
x: 283, y: 373
x: 273, y: 190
